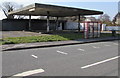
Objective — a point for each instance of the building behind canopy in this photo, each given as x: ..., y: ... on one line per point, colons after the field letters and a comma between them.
x: 37, y: 9
x: 116, y: 19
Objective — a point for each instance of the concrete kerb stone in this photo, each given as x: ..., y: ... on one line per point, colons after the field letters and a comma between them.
x: 74, y: 43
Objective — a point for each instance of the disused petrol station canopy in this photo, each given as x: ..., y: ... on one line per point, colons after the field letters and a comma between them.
x: 37, y: 9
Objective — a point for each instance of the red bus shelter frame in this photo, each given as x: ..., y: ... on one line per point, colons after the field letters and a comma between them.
x: 87, y: 29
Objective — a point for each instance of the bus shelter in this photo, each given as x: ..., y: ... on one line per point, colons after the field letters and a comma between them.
x: 92, y: 29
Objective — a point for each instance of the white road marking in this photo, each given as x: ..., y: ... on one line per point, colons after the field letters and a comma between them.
x: 31, y: 72
x: 95, y: 47
x: 90, y: 65
x: 85, y: 44
x: 115, y: 43
x: 62, y: 52
x: 107, y: 45
x: 81, y: 49
x: 34, y: 56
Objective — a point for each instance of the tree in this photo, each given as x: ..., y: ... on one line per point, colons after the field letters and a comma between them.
x: 104, y: 17
x: 8, y: 7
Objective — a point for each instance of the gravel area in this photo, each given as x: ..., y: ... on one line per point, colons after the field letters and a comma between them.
x: 19, y: 34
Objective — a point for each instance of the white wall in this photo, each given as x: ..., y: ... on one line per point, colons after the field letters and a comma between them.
x: 103, y: 27
x: 113, y: 28
x: 73, y: 25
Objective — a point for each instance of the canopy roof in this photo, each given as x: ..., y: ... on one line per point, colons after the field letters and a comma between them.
x: 37, y: 9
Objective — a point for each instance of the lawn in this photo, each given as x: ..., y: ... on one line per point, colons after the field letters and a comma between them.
x: 45, y: 38
x: 0, y: 41
x: 108, y: 35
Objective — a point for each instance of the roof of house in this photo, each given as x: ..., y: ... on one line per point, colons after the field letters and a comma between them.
x: 117, y: 16
x: 37, y: 9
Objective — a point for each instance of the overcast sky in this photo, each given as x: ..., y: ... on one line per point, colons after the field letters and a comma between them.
x: 109, y: 7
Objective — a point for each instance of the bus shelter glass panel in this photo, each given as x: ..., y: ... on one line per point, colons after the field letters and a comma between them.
x: 95, y: 29
x: 99, y: 29
x: 92, y: 29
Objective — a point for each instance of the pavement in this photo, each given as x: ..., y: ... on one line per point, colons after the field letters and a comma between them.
x: 79, y: 61
x: 55, y: 43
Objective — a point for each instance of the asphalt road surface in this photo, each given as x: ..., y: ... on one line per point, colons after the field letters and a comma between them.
x: 90, y: 59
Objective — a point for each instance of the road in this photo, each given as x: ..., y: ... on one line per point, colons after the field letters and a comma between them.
x: 90, y: 59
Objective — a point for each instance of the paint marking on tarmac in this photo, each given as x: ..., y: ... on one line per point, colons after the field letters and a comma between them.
x: 31, y: 72
x: 107, y: 45
x: 95, y: 47
x: 86, y: 44
x: 97, y: 63
x: 62, y: 52
x: 81, y: 49
x: 34, y: 56
x: 115, y: 43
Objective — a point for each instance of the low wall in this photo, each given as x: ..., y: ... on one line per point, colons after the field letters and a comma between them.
x: 109, y: 28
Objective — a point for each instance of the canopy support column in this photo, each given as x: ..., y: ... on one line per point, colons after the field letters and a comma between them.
x: 48, y: 22
x: 57, y: 23
x: 78, y: 23
x: 29, y: 22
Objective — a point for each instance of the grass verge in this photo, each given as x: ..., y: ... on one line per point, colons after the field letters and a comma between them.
x: 108, y: 35
x: 46, y: 38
